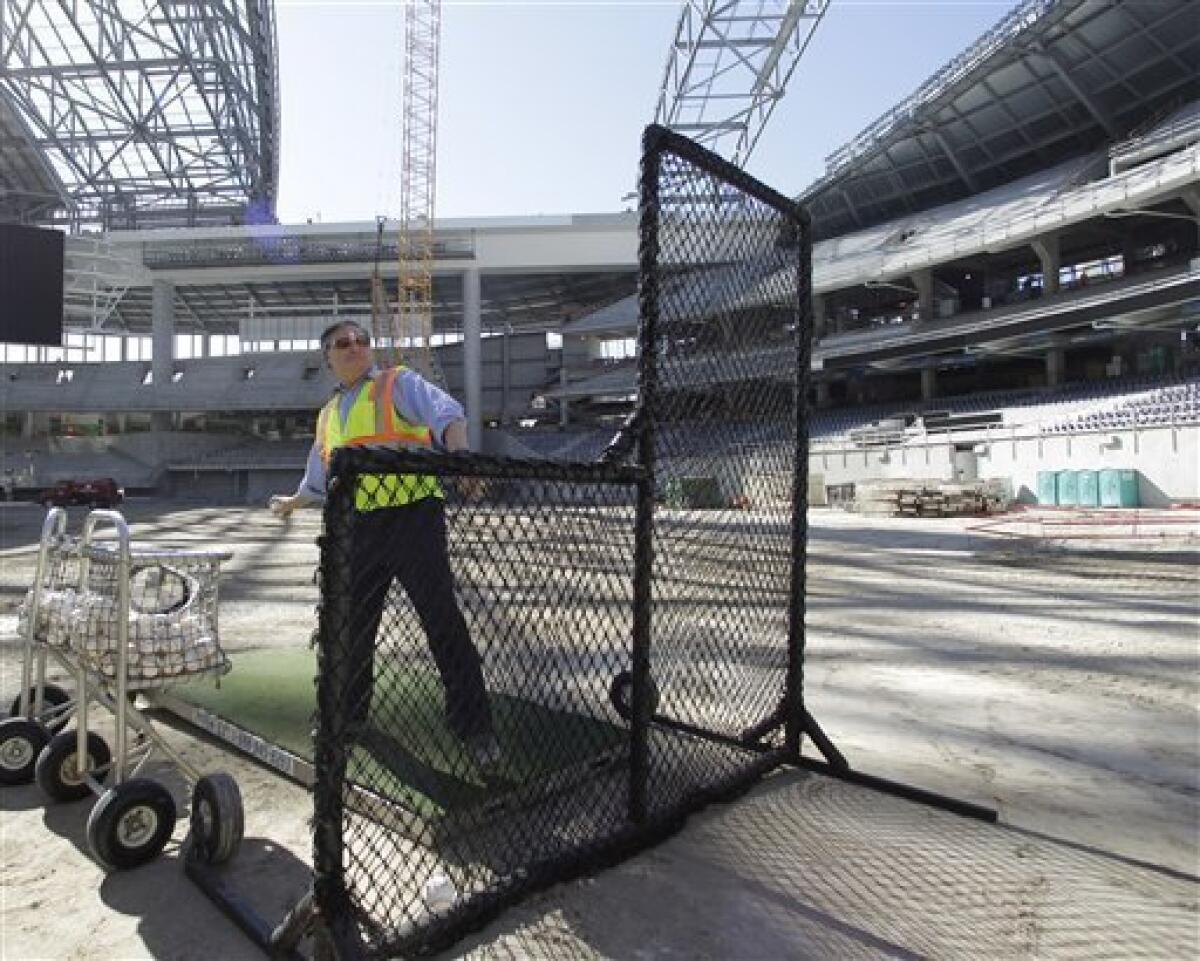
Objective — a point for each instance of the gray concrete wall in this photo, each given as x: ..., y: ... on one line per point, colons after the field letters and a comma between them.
x: 281, y: 382
x: 1167, y: 459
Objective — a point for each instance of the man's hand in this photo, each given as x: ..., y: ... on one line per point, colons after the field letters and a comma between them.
x: 282, y: 506
x: 454, y: 439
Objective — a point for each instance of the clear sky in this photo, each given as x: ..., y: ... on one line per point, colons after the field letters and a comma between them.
x: 542, y: 104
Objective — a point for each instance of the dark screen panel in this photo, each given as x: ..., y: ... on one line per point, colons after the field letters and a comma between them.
x: 31, y: 285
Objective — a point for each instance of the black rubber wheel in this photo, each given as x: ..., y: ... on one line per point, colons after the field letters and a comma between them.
x: 52, y: 696
x: 21, y: 740
x: 218, y: 819
x: 620, y: 692
x: 57, y: 769
x: 131, y: 824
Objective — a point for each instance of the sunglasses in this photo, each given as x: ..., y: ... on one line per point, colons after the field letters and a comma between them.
x: 346, y: 340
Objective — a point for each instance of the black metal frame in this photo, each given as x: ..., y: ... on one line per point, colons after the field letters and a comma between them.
x: 761, y: 746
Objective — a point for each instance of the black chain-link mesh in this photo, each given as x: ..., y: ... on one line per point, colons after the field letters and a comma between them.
x: 724, y: 354
x: 526, y: 666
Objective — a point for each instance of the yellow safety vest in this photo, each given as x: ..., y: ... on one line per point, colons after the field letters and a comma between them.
x: 371, y: 422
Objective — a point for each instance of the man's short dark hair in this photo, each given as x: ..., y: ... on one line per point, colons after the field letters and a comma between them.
x: 335, y: 327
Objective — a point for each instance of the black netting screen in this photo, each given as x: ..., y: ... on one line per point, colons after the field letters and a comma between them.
x: 529, y: 666
x: 724, y: 355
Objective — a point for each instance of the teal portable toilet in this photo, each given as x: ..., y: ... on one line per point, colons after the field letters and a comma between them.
x: 1067, y: 484
x: 1119, y: 488
x: 1047, y: 488
x: 1088, y: 488
x: 1130, y: 494
x: 1110, y: 489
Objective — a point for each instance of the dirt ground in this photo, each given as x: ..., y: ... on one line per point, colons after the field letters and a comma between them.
x: 1055, y: 684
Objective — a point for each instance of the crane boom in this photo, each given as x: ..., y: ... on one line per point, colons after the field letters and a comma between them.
x: 414, y: 302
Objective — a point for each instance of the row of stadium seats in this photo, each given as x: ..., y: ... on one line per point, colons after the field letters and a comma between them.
x: 1175, y: 404
x: 1051, y: 407
x: 290, y: 453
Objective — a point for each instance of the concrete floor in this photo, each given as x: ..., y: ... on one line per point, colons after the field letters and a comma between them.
x: 1058, y: 686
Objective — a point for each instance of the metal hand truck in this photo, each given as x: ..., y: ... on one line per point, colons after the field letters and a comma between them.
x: 41, y: 709
x: 139, y: 620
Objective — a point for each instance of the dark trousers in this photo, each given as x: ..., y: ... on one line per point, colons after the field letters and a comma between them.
x: 408, y: 544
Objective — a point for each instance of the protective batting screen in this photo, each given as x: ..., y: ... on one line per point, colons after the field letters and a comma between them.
x: 527, y: 668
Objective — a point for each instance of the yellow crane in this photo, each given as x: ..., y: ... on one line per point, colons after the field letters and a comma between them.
x: 411, y: 334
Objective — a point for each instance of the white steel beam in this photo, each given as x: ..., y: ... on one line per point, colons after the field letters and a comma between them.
x: 728, y: 67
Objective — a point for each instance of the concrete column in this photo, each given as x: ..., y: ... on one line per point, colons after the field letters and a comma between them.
x: 162, y: 345
x: 928, y: 383
x: 27, y: 423
x: 1050, y: 257
x: 1055, y: 364
x: 923, y: 281
x: 1190, y: 195
x: 473, y: 357
x: 505, y: 374
x: 823, y: 397
x: 818, y: 316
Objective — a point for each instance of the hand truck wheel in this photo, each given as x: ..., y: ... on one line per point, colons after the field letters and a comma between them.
x: 21, y: 740
x: 620, y: 692
x: 218, y: 819
x: 131, y: 824
x: 57, y: 770
x: 53, y: 697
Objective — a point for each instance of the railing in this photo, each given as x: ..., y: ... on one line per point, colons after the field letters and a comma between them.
x: 1009, y: 224
x: 289, y: 250
x: 1185, y: 130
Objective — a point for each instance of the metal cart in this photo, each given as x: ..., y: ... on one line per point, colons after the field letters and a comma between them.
x: 41, y: 709
x: 138, y: 620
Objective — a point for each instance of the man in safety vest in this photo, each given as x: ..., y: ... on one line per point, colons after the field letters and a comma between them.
x: 400, y: 525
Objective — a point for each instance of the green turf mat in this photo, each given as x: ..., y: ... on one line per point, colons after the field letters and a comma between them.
x: 409, y: 756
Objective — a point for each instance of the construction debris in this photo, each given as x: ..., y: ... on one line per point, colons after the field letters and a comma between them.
x: 929, y: 498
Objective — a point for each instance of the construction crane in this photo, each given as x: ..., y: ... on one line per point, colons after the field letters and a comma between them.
x: 411, y: 334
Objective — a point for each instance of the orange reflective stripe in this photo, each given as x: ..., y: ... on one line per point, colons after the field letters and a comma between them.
x: 385, y: 412
x: 323, y: 434
x: 390, y: 427
x: 412, y: 435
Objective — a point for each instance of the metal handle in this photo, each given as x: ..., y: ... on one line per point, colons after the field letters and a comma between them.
x: 94, y: 519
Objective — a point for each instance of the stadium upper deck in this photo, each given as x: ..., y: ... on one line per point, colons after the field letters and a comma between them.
x: 1053, y: 80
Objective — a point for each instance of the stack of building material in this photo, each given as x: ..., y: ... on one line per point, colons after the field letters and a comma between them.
x: 926, y: 498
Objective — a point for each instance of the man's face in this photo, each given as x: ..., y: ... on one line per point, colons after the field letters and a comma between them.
x: 349, y: 353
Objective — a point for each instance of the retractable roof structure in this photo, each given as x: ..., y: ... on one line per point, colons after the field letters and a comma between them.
x: 149, y: 112
x: 1052, y: 81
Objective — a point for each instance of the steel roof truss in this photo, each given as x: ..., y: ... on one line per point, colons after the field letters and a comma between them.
x: 729, y: 65
x: 167, y: 104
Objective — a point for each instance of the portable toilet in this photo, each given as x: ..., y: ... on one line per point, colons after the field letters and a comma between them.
x: 1047, y: 488
x: 1088, y: 488
x: 1119, y: 488
x: 1067, y: 488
